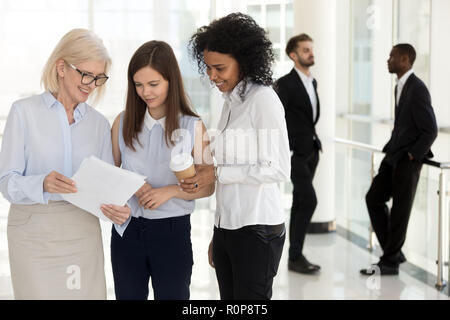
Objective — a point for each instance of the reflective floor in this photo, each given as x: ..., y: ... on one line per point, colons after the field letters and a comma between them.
x: 339, y: 278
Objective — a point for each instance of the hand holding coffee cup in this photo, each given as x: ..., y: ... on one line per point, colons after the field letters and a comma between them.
x: 204, y: 176
x: 182, y: 165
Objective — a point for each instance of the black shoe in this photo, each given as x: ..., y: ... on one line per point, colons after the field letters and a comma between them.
x: 301, y: 265
x: 401, y: 257
x: 384, y: 270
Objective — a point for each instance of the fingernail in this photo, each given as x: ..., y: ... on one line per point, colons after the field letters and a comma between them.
x: 182, y: 181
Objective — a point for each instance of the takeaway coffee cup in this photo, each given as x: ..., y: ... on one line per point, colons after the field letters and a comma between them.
x: 182, y: 166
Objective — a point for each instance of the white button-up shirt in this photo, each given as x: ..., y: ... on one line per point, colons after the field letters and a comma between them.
x: 309, y: 86
x: 252, y: 154
x: 401, y: 83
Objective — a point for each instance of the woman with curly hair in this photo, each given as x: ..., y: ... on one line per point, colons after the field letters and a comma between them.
x: 252, y: 155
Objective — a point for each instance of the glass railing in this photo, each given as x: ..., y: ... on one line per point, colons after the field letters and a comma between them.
x: 427, y: 241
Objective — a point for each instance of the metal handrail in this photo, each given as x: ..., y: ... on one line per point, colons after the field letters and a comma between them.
x: 443, y: 201
x: 368, y: 147
x: 358, y: 145
x: 441, y: 165
x: 378, y: 120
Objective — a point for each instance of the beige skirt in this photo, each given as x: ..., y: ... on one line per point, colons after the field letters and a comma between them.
x: 55, y: 252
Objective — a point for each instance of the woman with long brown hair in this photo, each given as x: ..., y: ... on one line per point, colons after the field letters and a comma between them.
x: 157, y: 123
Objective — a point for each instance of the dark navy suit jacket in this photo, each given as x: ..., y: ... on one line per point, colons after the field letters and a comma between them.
x: 415, y: 127
x: 303, y: 139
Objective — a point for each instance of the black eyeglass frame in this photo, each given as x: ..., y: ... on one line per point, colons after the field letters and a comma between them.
x: 83, y: 74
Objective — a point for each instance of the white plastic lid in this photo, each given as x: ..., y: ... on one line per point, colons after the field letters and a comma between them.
x: 181, y: 162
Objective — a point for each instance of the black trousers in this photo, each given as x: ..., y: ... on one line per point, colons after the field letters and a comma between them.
x: 304, y: 201
x: 158, y: 248
x: 245, y: 263
x: 398, y: 182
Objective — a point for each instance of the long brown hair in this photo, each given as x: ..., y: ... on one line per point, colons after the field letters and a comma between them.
x: 159, y: 56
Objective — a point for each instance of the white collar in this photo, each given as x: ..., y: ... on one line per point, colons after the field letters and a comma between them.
x: 405, y: 77
x: 234, y: 96
x: 150, y: 122
x: 303, y: 76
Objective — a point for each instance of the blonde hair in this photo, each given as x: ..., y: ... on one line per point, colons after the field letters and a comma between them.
x: 76, y: 46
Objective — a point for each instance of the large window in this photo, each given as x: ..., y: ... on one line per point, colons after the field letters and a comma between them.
x: 413, y: 27
x: 277, y: 17
x: 125, y: 25
x: 362, y: 58
x: 375, y: 27
x: 29, y: 30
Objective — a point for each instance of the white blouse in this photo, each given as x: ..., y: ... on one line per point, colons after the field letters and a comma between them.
x: 252, y: 153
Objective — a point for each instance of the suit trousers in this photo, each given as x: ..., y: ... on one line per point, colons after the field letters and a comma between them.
x: 156, y: 248
x: 304, y: 201
x: 398, y: 182
x: 245, y: 264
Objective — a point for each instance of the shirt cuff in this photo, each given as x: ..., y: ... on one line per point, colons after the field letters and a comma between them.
x: 46, y: 197
x: 21, y: 188
x: 121, y: 229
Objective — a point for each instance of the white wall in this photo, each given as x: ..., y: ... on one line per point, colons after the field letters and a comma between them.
x: 318, y: 19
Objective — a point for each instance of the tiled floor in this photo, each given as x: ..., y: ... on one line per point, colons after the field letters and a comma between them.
x: 339, y: 278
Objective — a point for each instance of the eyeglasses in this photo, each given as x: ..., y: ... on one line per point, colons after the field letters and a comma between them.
x: 87, y: 78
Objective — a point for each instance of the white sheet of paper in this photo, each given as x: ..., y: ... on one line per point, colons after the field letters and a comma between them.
x: 99, y: 182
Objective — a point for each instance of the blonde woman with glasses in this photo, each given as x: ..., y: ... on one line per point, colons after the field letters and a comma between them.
x: 55, y: 248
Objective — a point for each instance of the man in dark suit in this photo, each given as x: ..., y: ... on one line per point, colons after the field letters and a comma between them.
x: 414, y: 131
x: 298, y: 93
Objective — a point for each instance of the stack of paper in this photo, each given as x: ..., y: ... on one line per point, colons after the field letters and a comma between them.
x: 100, y: 183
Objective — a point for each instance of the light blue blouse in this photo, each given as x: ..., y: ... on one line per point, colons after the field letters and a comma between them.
x: 151, y: 159
x: 38, y: 139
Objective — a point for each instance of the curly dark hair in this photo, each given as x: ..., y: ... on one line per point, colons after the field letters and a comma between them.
x: 238, y: 35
